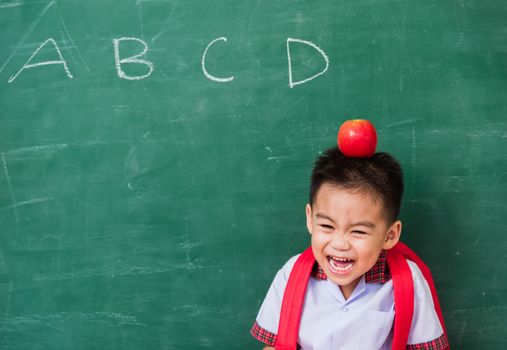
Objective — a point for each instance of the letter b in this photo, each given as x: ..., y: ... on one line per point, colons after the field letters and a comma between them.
x: 132, y: 59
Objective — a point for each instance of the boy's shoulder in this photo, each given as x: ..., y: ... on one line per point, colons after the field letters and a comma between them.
x: 286, y: 269
x: 421, y: 286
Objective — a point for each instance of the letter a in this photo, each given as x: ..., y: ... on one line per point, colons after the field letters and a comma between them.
x: 309, y: 43
x: 29, y: 65
x: 132, y: 59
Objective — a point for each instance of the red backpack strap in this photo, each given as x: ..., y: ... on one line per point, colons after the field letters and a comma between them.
x: 292, y: 304
x: 411, y: 255
x: 403, y: 285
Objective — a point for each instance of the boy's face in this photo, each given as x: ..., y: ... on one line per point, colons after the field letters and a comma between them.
x: 349, y: 231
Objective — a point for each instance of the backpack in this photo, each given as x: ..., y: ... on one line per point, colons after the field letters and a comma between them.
x: 403, y: 285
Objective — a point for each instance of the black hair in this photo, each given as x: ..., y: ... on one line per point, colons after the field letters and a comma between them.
x: 380, y: 176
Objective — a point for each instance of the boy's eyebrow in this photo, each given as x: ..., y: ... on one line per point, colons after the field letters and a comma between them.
x: 324, y: 216
x: 364, y: 223
x: 359, y: 223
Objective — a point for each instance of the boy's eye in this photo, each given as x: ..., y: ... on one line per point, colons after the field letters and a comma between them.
x: 327, y: 227
x: 359, y: 232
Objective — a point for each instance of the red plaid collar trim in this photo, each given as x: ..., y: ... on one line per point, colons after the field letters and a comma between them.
x: 379, y: 273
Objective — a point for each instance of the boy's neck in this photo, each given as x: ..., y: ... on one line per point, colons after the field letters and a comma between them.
x: 349, y: 289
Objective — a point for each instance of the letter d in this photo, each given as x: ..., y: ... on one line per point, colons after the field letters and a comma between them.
x: 309, y: 43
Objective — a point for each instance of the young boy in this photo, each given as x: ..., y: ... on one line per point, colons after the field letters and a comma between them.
x: 352, y: 217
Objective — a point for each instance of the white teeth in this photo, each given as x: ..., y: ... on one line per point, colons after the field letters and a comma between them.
x: 340, y: 259
x: 340, y: 268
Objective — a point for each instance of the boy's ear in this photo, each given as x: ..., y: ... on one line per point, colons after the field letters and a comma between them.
x: 309, y: 220
x: 393, y: 235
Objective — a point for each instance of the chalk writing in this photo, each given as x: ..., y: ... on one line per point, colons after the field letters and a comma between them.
x: 203, y: 64
x: 140, y: 59
x: 29, y: 65
x: 132, y: 59
x: 309, y: 43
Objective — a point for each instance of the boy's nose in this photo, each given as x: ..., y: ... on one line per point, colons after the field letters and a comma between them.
x: 340, y: 242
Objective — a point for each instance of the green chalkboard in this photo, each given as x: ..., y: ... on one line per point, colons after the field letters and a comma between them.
x: 155, y: 158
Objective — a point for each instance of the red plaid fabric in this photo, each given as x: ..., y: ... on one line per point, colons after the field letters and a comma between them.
x: 379, y: 273
x: 263, y: 335
x: 436, y: 344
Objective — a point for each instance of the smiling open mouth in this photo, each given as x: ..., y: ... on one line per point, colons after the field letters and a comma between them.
x: 340, y: 266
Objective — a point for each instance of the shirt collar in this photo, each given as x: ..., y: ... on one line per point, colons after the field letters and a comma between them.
x: 379, y: 273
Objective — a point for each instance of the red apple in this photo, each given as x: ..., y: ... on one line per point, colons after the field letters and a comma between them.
x: 357, y: 138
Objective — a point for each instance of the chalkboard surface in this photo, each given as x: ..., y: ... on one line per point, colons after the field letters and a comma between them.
x: 155, y: 158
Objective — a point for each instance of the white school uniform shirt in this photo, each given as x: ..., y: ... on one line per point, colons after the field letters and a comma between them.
x: 364, y: 321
